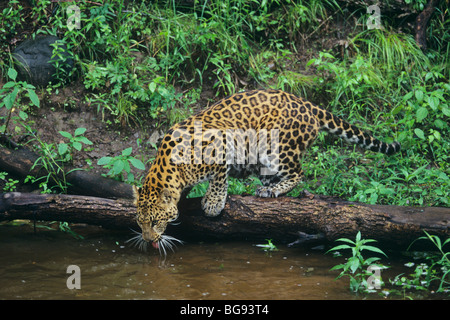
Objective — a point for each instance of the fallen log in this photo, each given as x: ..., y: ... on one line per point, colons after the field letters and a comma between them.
x: 20, y: 163
x: 244, y: 217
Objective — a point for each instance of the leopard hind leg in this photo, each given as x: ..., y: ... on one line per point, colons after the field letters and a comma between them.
x: 280, y: 183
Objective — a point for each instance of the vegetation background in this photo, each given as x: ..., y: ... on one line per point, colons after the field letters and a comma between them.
x: 141, y: 66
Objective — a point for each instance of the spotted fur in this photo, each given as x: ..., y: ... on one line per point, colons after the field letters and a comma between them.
x: 181, y: 160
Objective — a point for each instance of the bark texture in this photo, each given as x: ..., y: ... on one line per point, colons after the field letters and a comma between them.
x: 244, y: 217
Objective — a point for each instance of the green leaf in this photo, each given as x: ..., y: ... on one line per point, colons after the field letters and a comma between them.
x: 104, y: 161
x: 371, y: 260
x: 33, y: 97
x: 358, y: 236
x: 84, y: 140
x: 421, y: 113
x: 446, y: 111
x: 130, y: 177
x: 126, y: 166
x: 65, y: 134
x: 433, y: 102
x: 79, y: 131
x: 118, y: 167
x: 346, y: 240
x: 419, y: 95
x: 337, y: 267
x: 397, y: 109
x: 23, y: 115
x: 152, y: 87
x: 408, y: 96
x: 62, y: 148
x: 387, y: 191
x: 76, y: 145
x: 127, y: 151
x: 11, y: 98
x: 341, y: 247
x: 440, y: 124
x: 137, y: 163
x: 373, y: 249
x: 12, y: 73
x: 354, y: 264
x: 419, y: 133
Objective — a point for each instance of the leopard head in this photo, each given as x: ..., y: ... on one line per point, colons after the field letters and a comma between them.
x: 156, y: 208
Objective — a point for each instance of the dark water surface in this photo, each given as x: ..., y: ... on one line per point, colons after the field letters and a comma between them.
x: 34, y: 266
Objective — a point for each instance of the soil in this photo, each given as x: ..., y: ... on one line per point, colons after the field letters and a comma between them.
x: 67, y: 110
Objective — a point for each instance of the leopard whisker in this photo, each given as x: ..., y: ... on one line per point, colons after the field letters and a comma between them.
x: 138, y: 241
x: 168, y: 242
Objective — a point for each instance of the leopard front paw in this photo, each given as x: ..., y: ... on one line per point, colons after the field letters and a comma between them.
x: 266, y: 192
x: 213, y: 208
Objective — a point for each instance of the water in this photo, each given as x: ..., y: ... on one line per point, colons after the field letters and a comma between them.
x: 34, y: 266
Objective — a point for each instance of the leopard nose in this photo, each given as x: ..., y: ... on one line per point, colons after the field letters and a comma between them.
x: 148, y: 234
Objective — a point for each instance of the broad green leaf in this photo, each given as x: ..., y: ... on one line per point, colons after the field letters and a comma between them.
x: 23, y: 115
x: 126, y: 166
x: 419, y: 133
x: 137, y: 163
x: 387, y: 191
x: 84, y: 140
x: 446, y: 111
x: 408, y: 96
x: 130, y: 177
x: 433, y: 102
x: 62, y: 148
x: 152, y: 87
x: 11, y: 98
x: 118, y: 167
x: 354, y: 264
x: 440, y: 124
x: 421, y: 113
x: 419, y: 95
x: 79, y: 131
x: 104, y: 161
x: 77, y: 145
x: 127, y: 151
x: 12, y: 73
x: 65, y: 134
x: 33, y: 97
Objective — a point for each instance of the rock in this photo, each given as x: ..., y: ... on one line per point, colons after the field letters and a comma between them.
x: 34, y: 62
x: 155, y: 138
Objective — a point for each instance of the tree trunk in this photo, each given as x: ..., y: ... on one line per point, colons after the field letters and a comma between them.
x: 19, y: 162
x: 422, y: 23
x: 244, y: 217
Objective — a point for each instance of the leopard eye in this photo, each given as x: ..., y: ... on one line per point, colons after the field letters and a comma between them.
x: 154, y: 223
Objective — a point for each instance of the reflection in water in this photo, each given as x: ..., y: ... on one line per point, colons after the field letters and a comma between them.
x: 33, y: 266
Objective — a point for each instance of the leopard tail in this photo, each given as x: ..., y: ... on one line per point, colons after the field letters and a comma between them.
x: 352, y: 134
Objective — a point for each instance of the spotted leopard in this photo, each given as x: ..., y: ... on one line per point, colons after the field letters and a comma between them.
x: 260, y: 132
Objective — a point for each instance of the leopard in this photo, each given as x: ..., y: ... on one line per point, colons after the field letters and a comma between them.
x: 261, y: 132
